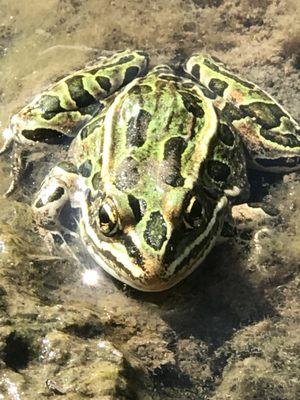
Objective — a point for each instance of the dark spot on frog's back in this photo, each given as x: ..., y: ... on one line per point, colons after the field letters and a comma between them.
x: 125, y: 59
x: 138, y: 207
x: 156, y: 230
x: 81, y: 96
x: 130, y: 74
x: 90, y: 128
x: 44, y: 135
x: 127, y: 174
x: 135, y: 90
x: 267, y: 115
x: 50, y: 106
x: 218, y: 86
x: 216, y: 68
x: 192, y: 103
x: 68, y: 167
x: 56, y: 195
x: 210, y: 64
x: 92, y: 109
x: 85, y: 169
x: 39, y: 204
x: 104, y: 83
x: 174, y: 179
x: 173, y: 150
x: 196, y: 71
x: 287, y: 140
x: 226, y: 135
x: 174, y: 147
x: 141, y: 89
x: 136, y: 134
x: 84, y: 133
x: 231, y: 113
x: 145, y: 89
x: 188, y: 85
x: 120, y: 61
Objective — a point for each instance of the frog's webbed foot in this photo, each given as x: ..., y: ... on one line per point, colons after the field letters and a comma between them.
x: 58, y: 238
x: 55, y: 230
x: 51, y: 199
x: 250, y: 216
x: 53, y: 196
x: 252, y: 220
x: 248, y: 221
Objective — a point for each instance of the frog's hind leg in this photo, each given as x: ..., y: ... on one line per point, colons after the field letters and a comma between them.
x: 270, y: 134
x: 64, y: 107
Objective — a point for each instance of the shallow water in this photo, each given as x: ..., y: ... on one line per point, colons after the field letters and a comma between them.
x: 228, y: 331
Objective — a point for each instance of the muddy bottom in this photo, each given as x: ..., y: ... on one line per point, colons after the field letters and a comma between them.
x: 229, y: 331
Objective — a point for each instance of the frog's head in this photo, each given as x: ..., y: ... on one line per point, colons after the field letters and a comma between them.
x: 152, y: 245
x: 151, y: 222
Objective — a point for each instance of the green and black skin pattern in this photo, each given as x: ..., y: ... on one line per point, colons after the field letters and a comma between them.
x: 157, y: 159
x: 270, y: 134
x: 67, y: 105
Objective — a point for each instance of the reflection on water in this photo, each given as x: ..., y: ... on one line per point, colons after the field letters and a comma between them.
x: 90, y: 277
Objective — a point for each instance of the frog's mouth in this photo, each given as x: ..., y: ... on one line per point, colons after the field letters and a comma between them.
x: 118, y: 264
x: 122, y: 259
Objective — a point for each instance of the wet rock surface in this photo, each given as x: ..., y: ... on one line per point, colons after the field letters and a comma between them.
x: 227, y: 332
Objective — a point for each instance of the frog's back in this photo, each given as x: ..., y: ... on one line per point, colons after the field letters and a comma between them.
x: 160, y: 134
x: 152, y: 135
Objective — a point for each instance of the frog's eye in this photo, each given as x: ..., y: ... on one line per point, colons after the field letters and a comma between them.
x: 108, y: 218
x: 194, y: 215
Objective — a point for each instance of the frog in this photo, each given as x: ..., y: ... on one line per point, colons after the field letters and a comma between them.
x: 158, y: 158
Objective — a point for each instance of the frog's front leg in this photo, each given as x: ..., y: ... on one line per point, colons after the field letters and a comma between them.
x: 57, y: 189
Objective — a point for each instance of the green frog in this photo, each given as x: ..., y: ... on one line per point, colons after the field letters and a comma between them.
x: 157, y: 158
